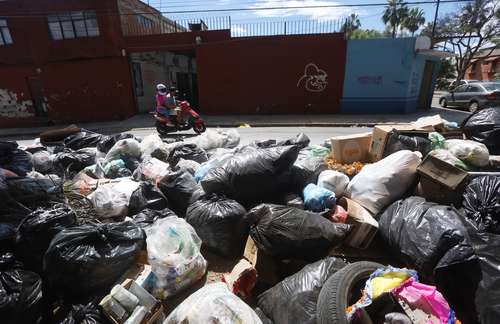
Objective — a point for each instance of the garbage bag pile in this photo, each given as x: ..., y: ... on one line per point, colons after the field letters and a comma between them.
x: 97, y: 228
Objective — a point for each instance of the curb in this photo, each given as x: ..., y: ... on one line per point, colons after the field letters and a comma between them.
x: 110, y: 130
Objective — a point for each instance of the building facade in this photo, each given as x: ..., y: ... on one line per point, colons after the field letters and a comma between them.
x: 94, y: 60
x: 484, y: 69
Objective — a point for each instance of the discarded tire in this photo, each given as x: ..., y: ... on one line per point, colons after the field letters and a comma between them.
x: 339, y: 292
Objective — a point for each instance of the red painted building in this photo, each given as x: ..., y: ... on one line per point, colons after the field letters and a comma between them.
x: 65, y: 61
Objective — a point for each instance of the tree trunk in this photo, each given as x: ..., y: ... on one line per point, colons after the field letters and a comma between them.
x: 394, y: 31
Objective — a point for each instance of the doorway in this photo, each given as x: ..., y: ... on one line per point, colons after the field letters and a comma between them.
x: 36, y: 91
x: 425, y: 96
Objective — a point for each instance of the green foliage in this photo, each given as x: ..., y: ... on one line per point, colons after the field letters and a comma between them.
x: 414, y: 20
x: 365, y: 34
x: 395, y: 14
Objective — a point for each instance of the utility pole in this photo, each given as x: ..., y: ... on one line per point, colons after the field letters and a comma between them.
x: 435, y: 21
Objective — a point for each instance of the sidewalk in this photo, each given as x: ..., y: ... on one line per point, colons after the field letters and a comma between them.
x: 145, y: 121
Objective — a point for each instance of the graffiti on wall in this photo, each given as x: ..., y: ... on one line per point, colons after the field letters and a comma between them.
x: 12, y: 107
x: 314, y: 79
x: 371, y: 79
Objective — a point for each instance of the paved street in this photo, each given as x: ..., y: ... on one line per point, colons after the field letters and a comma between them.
x: 317, y: 134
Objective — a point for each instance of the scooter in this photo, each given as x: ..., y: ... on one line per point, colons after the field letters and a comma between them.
x: 190, y: 118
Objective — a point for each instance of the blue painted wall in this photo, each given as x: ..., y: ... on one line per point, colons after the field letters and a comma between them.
x: 382, y: 76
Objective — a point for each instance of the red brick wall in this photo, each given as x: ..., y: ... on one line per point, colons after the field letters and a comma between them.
x: 261, y: 75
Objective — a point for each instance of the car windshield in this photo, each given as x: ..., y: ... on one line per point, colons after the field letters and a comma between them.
x: 492, y: 86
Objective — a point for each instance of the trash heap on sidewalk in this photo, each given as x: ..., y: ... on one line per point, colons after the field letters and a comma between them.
x: 399, y: 225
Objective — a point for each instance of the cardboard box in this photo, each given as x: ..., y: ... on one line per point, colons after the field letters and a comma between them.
x: 440, y: 181
x: 380, y: 136
x: 365, y: 226
x: 430, y: 123
x: 266, y: 266
x: 351, y: 148
x: 153, y: 317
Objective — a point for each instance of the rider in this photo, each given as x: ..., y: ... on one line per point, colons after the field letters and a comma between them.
x: 164, y: 104
x: 172, y: 102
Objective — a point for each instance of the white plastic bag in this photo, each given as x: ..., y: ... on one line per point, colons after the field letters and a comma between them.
x: 381, y: 183
x: 213, y: 303
x: 42, y: 161
x: 334, y: 181
x: 125, y: 148
x: 152, y: 143
x: 112, y: 199
x: 174, y: 255
x: 471, y: 152
x: 218, y: 138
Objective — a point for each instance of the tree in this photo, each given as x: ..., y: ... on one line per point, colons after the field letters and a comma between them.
x: 395, y: 13
x: 446, y: 72
x: 351, y: 23
x: 365, y: 34
x: 469, y: 33
x: 414, y: 20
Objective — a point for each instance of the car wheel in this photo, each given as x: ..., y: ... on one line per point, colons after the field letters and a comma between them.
x: 443, y: 102
x: 473, y: 107
x: 341, y: 290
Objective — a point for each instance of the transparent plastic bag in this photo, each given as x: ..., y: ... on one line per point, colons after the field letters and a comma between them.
x: 448, y: 157
x: 153, y: 146
x: 126, y: 148
x: 174, y: 255
x: 152, y: 170
x: 213, y: 303
x: 470, y: 152
x: 218, y: 138
x: 112, y: 199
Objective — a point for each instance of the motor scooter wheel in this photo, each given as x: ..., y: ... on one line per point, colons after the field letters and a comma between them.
x: 199, y: 128
x: 161, y: 129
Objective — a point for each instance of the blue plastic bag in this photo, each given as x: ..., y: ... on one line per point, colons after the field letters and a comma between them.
x: 317, y: 199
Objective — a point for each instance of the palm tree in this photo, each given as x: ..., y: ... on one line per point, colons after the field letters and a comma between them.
x: 414, y: 20
x: 395, y: 13
x: 351, y: 23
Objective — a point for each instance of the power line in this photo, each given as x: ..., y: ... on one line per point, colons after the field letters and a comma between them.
x: 111, y: 13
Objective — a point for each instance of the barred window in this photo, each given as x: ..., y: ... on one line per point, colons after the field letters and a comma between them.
x: 5, y: 37
x: 69, y: 25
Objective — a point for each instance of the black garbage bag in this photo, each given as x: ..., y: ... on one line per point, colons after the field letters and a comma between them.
x: 20, y: 162
x: 74, y: 161
x: 107, y: 142
x: 187, y: 152
x: 482, y: 203
x: 425, y: 235
x: 147, y: 196
x: 88, y: 259
x: 398, y: 142
x: 147, y: 217
x: 294, y: 299
x: 252, y: 176
x: 484, y: 127
x: 178, y: 187
x: 80, y: 314
x: 6, y: 149
x: 7, y: 237
x: 291, y: 233
x: 37, y: 230
x: 42, y: 162
x: 264, y: 319
x: 20, y: 293
x: 82, y: 139
x: 33, y: 192
x: 219, y: 223
x: 306, y: 170
x: 301, y: 140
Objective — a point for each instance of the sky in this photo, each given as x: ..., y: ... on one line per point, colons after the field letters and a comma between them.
x: 370, y: 16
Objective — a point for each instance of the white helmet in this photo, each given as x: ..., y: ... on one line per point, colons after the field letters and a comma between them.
x: 161, y: 86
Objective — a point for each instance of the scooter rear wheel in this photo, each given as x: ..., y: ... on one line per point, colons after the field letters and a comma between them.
x: 199, y: 128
